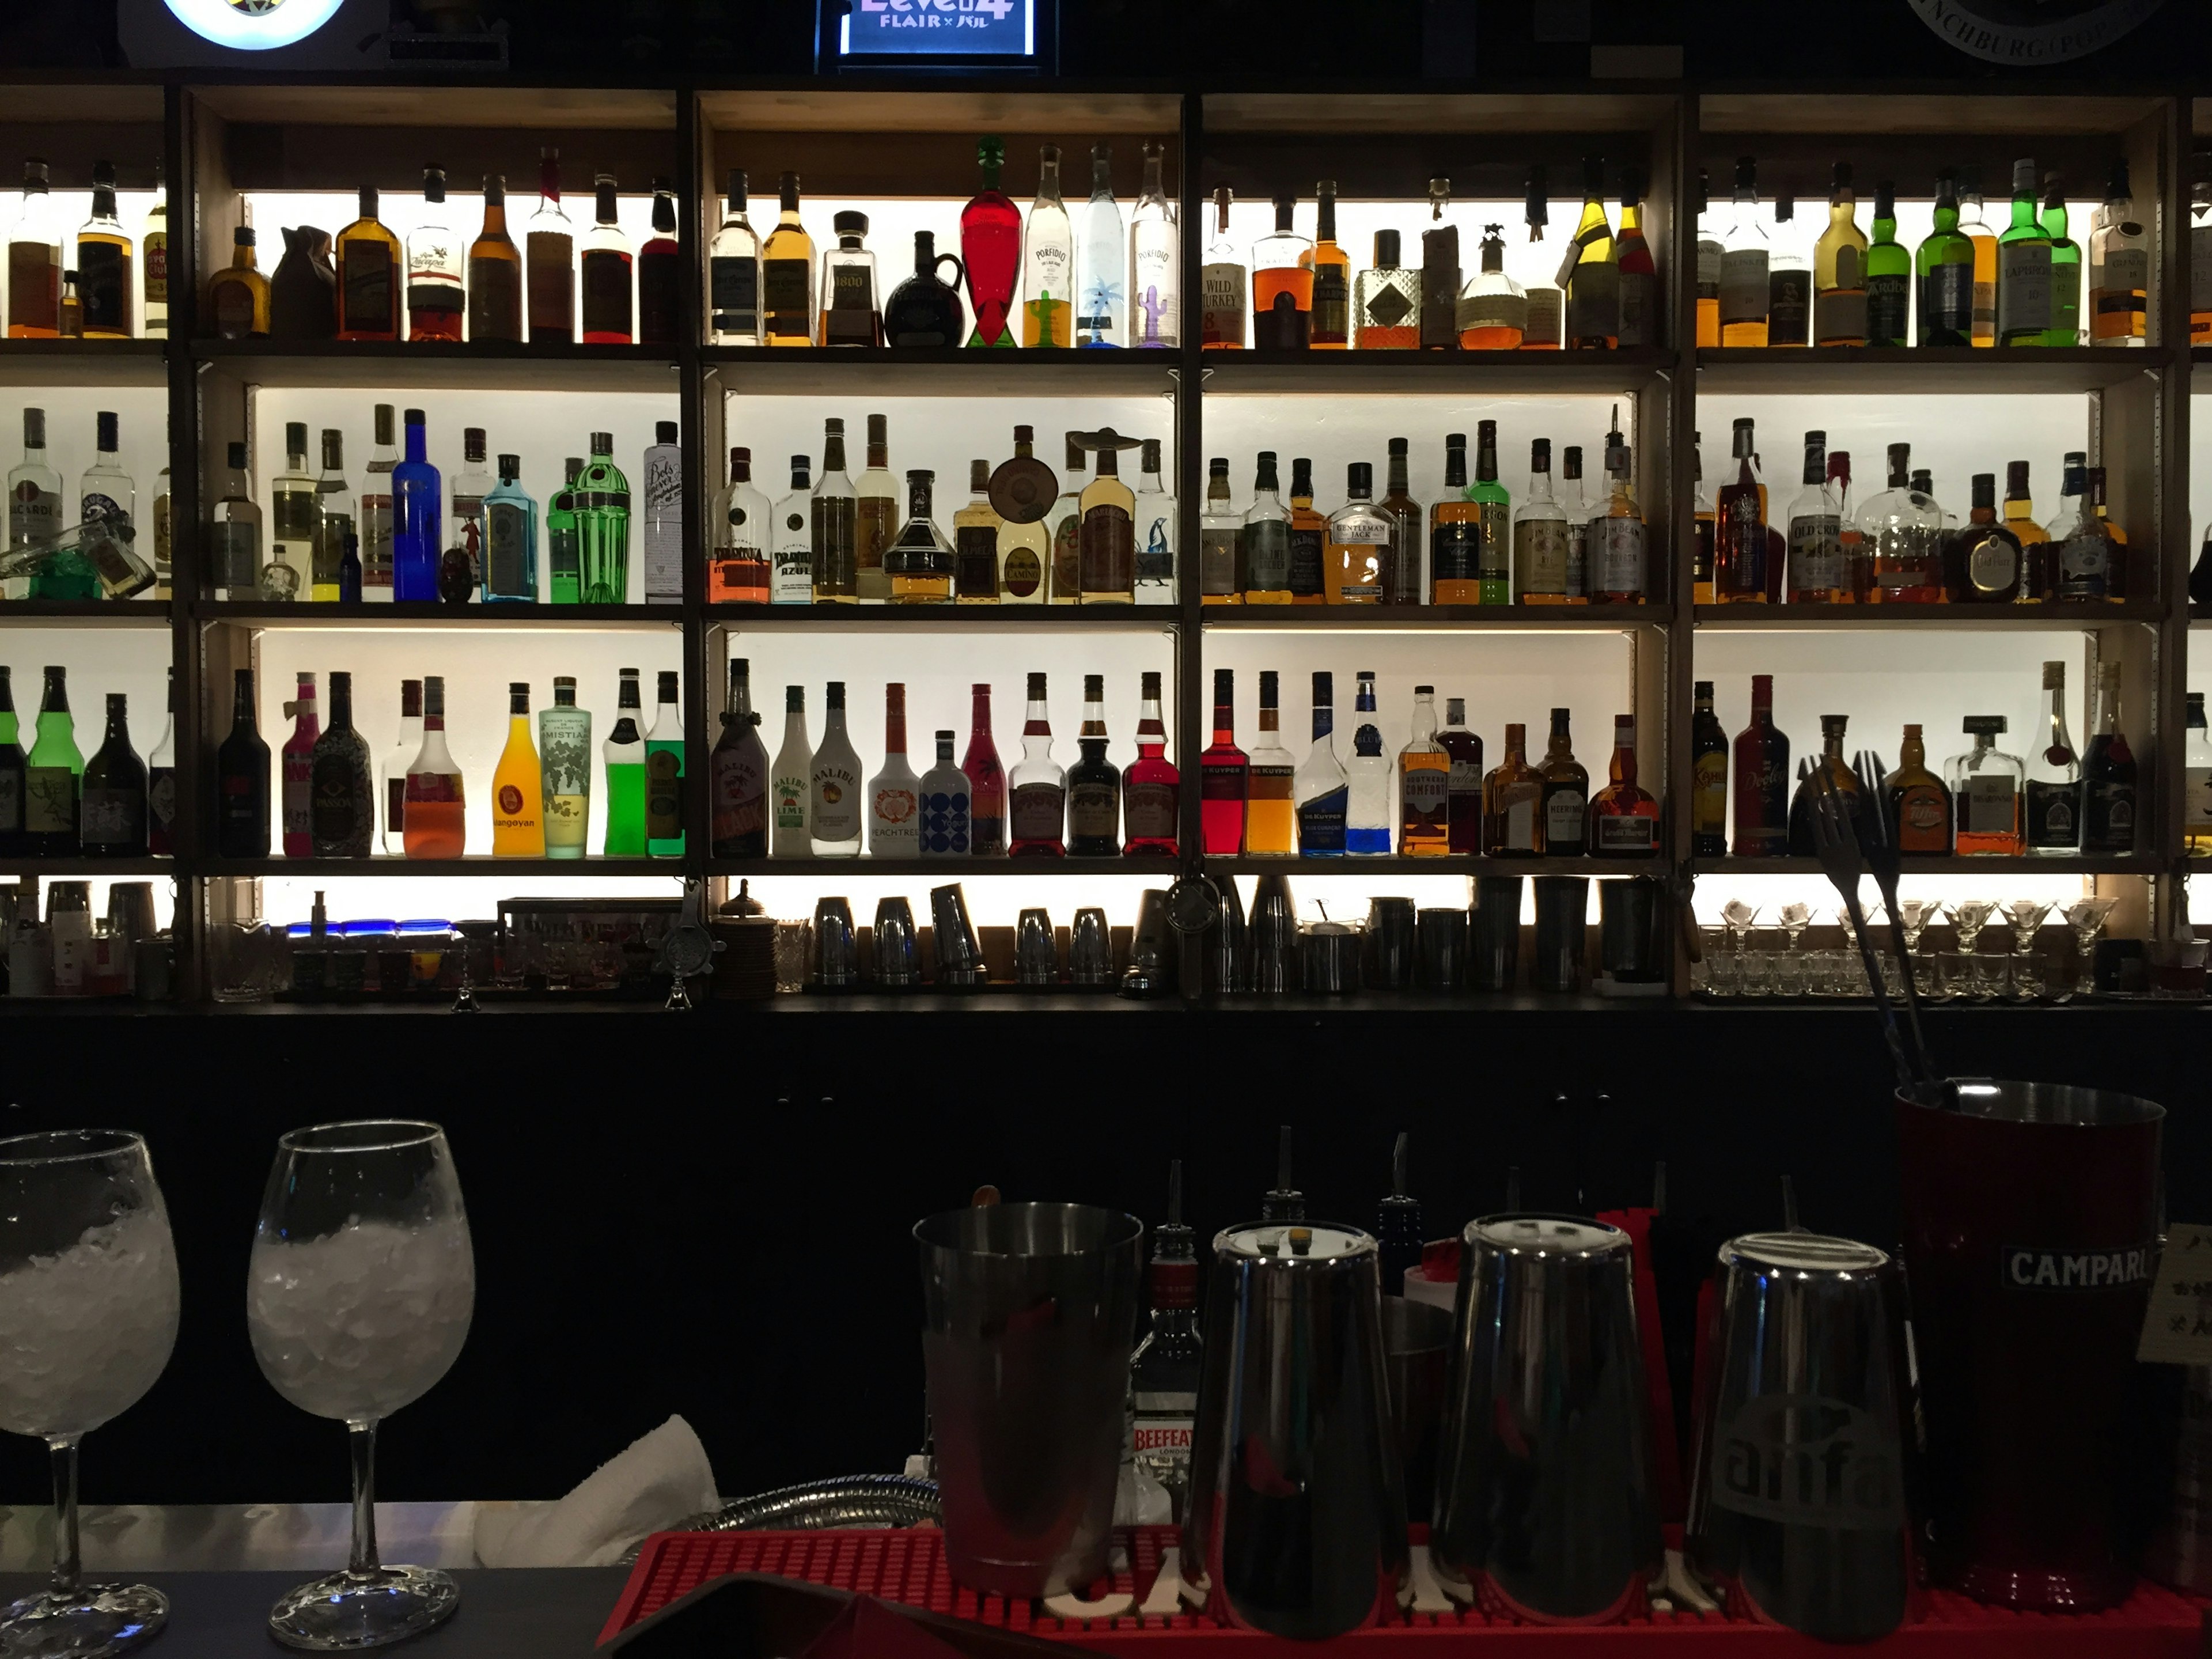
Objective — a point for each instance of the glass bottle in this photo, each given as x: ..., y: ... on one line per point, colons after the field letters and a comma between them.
x: 1839, y: 269
x: 1153, y: 518
x: 1107, y: 557
x: 664, y: 497
x: 738, y: 567
x: 849, y: 312
x: 1270, y: 798
x: 2020, y: 520
x: 1709, y: 777
x: 1048, y: 260
x: 1761, y: 769
x: 991, y: 250
x: 738, y: 773
x: 391, y: 777
x: 791, y: 786
x: 2196, y: 779
x: 1987, y: 563
x: 1638, y: 273
x: 564, y: 551
x: 1151, y: 788
x: 1802, y: 842
x: 791, y: 547
x: 1888, y: 275
x: 607, y: 273
x: 2054, y: 774
x: 34, y: 502
x: 1309, y: 539
x: 836, y: 817
x: 549, y: 244
x: 53, y: 772
x: 1917, y: 801
x: 975, y: 542
x: 112, y: 817
x: 1402, y: 565
x: 733, y: 273
x: 376, y: 545
x: 1263, y: 540
x: 293, y: 519
x: 1102, y: 309
x: 1709, y: 255
x: 161, y: 779
x: 1220, y: 536
x: 1155, y: 290
x: 417, y: 540
x: 2108, y: 774
x: 833, y: 524
x: 2065, y: 328
x: 334, y: 519
x: 1744, y: 285
x: 436, y: 825
x: 664, y: 815
x: 924, y: 310
x: 878, y: 518
x: 1789, y: 278
x: 1462, y: 779
x: 1539, y: 536
x: 2024, y: 274
x: 366, y: 258
x: 602, y: 525
x: 1740, y: 538
x: 565, y: 755
x: 1330, y: 328
x: 1512, y: 799
x: 918, y: 560
x: 518, y: 786
x: 1816, y: 574
x: 1065, y: 522
x: 1593, y: 281
x: 1359, y: 535
x: 106, y: 286
x: 510, y: 540
x: 2119, y: 268
x: 435, y: 294
x: 1282, y: 285
x: 895, y: 792
x: 987, y: 779
x: 1619, y: 564
x: 1547, y: 312
x: 1025, y: 547
x: 1903, y: 531
x: 241, y: 775
x: 1623, y: 817
x: 72, y: 309
x: 1386, y: 300
x: 1164, y: 1371
x: 1494, y: 554
x: 1983, y: 241
x: 1492, y: 313
x: 1223, y: 772
x: 1037, y: 786
x: 34, y: 261
x: 1321, y: 785
x: 1368, y: 809
x: 1221, y: 285
x: 1986, y: 786
x: 494, y: 284
x: 238, y: 294
x: 945, y: 824
x: 1564, y: 819
x: 624, y: 756
x: 1424, y: 784
x: 660, y: 274
x: 1943, y: 271
x: 1704, y: 527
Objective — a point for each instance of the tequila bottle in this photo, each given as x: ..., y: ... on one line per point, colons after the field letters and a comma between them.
x: 1048, y: 260
x: 738, y: 570
x: 737, y: 774
x: 791, y: 548
x: 1986, y: 785
x: 975, y: 542
x: 733, y: 273
x: 1155, y: 263
x: 787, y: 273
x: 1102, y: 305
x: 565, y: 755
x: 850, y: 314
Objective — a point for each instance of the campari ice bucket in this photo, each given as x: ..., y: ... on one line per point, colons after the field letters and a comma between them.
x: 2030, y: 1242
x: 1800, y: 1511
x: 1296, y: 1518
x: 1029, y: 1314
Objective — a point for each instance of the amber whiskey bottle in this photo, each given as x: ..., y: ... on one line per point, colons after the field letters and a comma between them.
x: 1918, y: 805
x: 1566, y: 815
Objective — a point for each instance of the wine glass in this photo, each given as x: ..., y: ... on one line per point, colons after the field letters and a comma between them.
x: 358, y: 1298
x: 88, y: 1317
x: 1914, y: 915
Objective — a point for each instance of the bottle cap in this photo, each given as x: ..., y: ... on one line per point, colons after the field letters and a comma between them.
x: 1386, y: 249
x: 664, y: 432
x: 850, y: 223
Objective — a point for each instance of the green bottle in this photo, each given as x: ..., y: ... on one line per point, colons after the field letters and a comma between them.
x: 564, y: 560
x: 603, y: 525
x: 1944, y: 270
x: 1888, y: 275
x: 624, y: 754
x: 2023, y: 267
x: 2065, y: 269
x: 1494, y: 559
x: 53, y: 774
x: 663, y: 776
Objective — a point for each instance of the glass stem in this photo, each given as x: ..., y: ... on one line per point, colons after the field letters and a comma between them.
x: 362, y: 1438
x: 63, y: 1452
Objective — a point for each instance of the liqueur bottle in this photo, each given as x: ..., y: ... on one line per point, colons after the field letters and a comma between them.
x: 2054, y: 774
x: 1918, y: 805
x: 1424, y: 784
x: 1463, y: 781
x: 660, y: 274
x: 607, y: 271
x: 1224, y: 774
x: 298, y: 764
x: 986, y: 780
x: 2108, y: 774
x: 1094, y: 783
x: 368, y: 259
x: 1802, y: 841
x: 1164, y: 1372
x: 1709, y: 777
x: 1022, y: 492
x: 437, y: 822
x: 549, y: 244
x: 991, y: 250
x: 1369, y: 813
x: 920, y: 561
x: 113, y: 814
x: 392, y: 788
x: 1987, y: 566
x: 1761, y: 768
x: 664, y: 772
x: 1151, y: 786
x: 564, y: 758
x: 1270, y: 809
x: 737, y: 772
x: 494, y: 286
x: 1220, y: 536
x: 836, y: 816
x: 894, y: 794
x: 624, y: 756
x: 1563, y: 821
x: 791, y: 788
x: 518, y: 786
x: 1623, y: 818
x: 1037, y: 786
x: 1320, y: 785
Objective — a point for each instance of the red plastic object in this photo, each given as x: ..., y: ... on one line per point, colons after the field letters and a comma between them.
x: 908, y: 1567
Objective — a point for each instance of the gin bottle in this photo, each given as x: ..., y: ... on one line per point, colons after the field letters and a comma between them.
x: 510, y: 540
x: 945, y: 804
x: 1164, y: 1372
x: 664, y: 517
x: 737, y: 774
x: 1102, y: 310
x: 1320, y: 783
x: 603, y: 525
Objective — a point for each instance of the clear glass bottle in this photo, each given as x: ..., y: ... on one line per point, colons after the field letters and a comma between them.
x: 510, y: 541
x: 1102, y: 305
x: 1903, y: 533
x: 739, y: 564
x: 1986, y: 786
x: 1386, y: 300
x: 334, y: 519
x: 1619, y: 562
x: 1282, y: 284
x: 1155, y: 289
x: 1789, y: 278
x: 895, y: 792
x: 1263, y: 543
x: 1025, y: 544
x: 1220, y: 533
x: 1539, y: 536
x: 435, y: 294
x: 376, y: 550
x: 471, y: 485
x: 2119, y: 269
x: 602, y: 495
x: 1492, y: 314
x: 549, y: 258
x: 733, y: 273
x: 1359, y: 534
x: 564, y: 753
x: 1048, y: 260
x: 975, y: 542
x: 1154, y: 519
x: 835, y: 814
x: 293, y: 519
x: 1065, y: 522
x: 1271, y: 807
x: 791, y: 787
x: 35, y: 260
x: 918, y: 560
x: 1816, y: 573
x: 391, y: 775
x: 1744, y: 264
x: 1423, y: 784
x: 105, y: 278
x: 1221, y: 285
x: 791, y: 546
x: 851, y: 315
x: 2054, y: 775
x: 833, y: 524
x: 1322, y: 785
x: 34, y: 500
x: 1367, y: 809
x: 1036, y: 788
x: 608, y: 272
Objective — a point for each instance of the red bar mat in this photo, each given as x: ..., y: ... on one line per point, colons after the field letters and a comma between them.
x: 908, y: 1567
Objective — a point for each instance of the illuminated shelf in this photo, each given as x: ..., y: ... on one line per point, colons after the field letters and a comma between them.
x: 1980, y: 619
x: 1457, y: 863
x: 29, y: 363
x: 941, y: 371
x: 1989, y: 864
x: 414, y: 615
x: 940, y: 618
x: 1435, y: 372
x: 481, y: 863
x: 444, y: 365
x: 82, y: 869
x: 2002, y: 370
x: 1456, y: 618
x: 957, y: 868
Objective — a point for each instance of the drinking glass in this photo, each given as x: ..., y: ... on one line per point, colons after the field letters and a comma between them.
x: 1969, y: 916
x: 358, y: 1298
x: 1740, y: 917
x: 88, y: 1317
x: 1914, y: 915
x: 1789, y: 973
x: 2087, y: 918
x: 1756, y: 973
x: 1795, y: 920
x: 2024, y: 916
x: 1989, y: 975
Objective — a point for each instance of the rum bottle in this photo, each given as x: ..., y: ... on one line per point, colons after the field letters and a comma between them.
x: 1739, y: 528
x: 623, y: 754
x: 1037, y: 786
x: 1320, y: 785
x: 1282, y: 285
x: 895, y: 792
x: 549, y: 257
x: 1331, y: 326
x: 1463, y: 783
x: 1512, y: 801
x: 494, y: 286
x: 1424, y: 784
x: 1221, y: 285
x: 991, y: 250
x: 2108, y: 774
x: 834, y: 816
x: 1271, y: 811
x: 607, y: 271
x: 1623, y: 818
x: 1918, y: 805
x: 791, y: 788
x: 1456, y: 533
x: 437, y: 820
x: 1803, y: 841
x: 368, y: 259
x: 1094, y: 783
x: 1368, y: 813
x: 945, y: 827
x: 737, y: 773
x: 565, y: 755
x: 986, y: 780
x: 518, y: 786
x: 664, y: 774
x: 435, y: 294
x: 112, y: 820
x: 298, y: 765
x: 1986, y: 785
x: 1048, y: 260
x: 1263, y: 542
x: 1709, y: 777
x: 1224, y: 773
x: 733, y: 273
x: 1761, y: 766
x: 1151, y: 786
x: 2054, y: 774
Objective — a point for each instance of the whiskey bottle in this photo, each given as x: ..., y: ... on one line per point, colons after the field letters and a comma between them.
x: 834, y: 816
x: 1816, y: 574
x: 1562, y: 822
x: 1903, y: 530
x: 1359, y: 537
x: 435, y: 294
x: 1331, y: 328
x: 660, y: 274
x: 986, y: 780
x: 1164, y: 1372
x: 918, y: 560
x: 2195, y: 780
x: 790, y: 788
x: 2023, y: 275
x: 517, y: 783
x: 1494, y: 554
x: 495, y: 281
x: 437, y: 813
x: 1102, y: 293
x: 1986, y: 785
x: 975, y: 542
x: 1224, y: 775
x: 1463, y: 781
x: 1320, y: 785
x: 1739, y: 539
x: 1619, y: 564
x: 1802, y: 843
x: 1401, y: 565
x: 607, y: 268
x: 1983, y: 240
x: 1151, y: 786
x: 35, y: 260
x: 1065, y: 524
x: 1943, y: 271
x: 733, y: 273
x: 105, y: 282
x: 238, y: 294
x: 1577, y: 507
x: 1623, y: 818
x: 1888, y: 275
x: 112, y: 821
x: 1368, y: 814
x: 1789, y: 278
x: 991, y: 250
x: 787, y: 273
x: 1309, y: 539
x: 1839, y: 289
x: 1918, y: 805
x: 2054, y: 774
x: 850, y: 316
x: 1155, y: 526
x: 2020, y: 518
x: 1858, y: 562
x: 1761, y: 768
x: 2119, y: 267
x: 1638, y: 272
x: 1539, y: 536
x: 1271, y: 812
x: 664, y: 816
x: 1987, y: 563
x: 1424, y: 784
x: 737, y: 773
x: 1455, y: 532
x: 564, y: 754
x: 368, y: 259
x: 1037, y: 786
x: 1221, y: 285
x: 1282, y: 285
x: 1386, y: 300
x: 1708, y: 776
x: 944, y: 821
x: 1492, y: 313
x: 1512, y: 801
x: 1743, y: 297
x: 1048, y: 260
x: 2087, y: 554
x: 1590, y: 275
x: 2108, y: 774
x: 549, y: 260
x: 1710, y: 256
x: 2065, y: 328
x: 1107, y: 543
x: 1220, y: 533
x: 1094, y: 783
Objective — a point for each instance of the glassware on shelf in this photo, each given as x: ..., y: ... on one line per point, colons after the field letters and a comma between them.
x: 2024, y: 916
x: 1795, y: 920
x: 360, y: 1291
x: 2087, y: 917
x: 1969, y: 916
x: 1742, y: 916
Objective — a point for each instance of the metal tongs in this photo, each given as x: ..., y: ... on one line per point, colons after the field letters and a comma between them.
x: 1836, y: 841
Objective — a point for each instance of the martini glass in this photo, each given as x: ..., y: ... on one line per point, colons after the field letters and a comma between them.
x: 1795, y: 918
x: 1742, y: 916
x: 1969, y: 916
x: 2087, y: 918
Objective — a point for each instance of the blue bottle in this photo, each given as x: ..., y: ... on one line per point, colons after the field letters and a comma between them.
x: 510, y: 564
x: 417, y: 520
x: 1368, y: 804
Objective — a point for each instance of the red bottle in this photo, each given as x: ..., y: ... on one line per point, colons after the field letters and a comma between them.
x: 1224, y: 773
x: 1623, y: 818
x: 299, y: 765
x: 660, y: 275
x: 1151, y: 786
x: 991, y: 250
x: 986, y: 783
x: 1741, y: 547
x: 1762, y: 778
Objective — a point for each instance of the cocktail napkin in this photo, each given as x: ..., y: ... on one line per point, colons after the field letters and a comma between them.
x: 659, y: 1480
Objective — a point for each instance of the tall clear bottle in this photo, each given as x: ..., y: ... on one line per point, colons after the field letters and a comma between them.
x: 334, y: 519
x: 1816, y: 574
x: 34, y: 503
x: 1048, y: 260
x: 664, y: 516
x: 878, y: 518
x: 1155, y: 525
x: 738, y: 775
x: 2054, y: 774
x: 1539, y: 536
x: 1619, y: 562
x: 2119, y: 268
x: 294, y: 518
x: 1155, y: 288
x: 1321, y: 784
x: 791, y: 542
x: 1037, y: 789
x: 435, y: 294
x: 35, y: 260
x: 391, y: 776
x: 1744, y: 291
x: 564, y: 754
x: 834, y: 524
x: 1220, y: 533
x: 836, y: 814
x: 733, y: 272
x: 1101, y: 297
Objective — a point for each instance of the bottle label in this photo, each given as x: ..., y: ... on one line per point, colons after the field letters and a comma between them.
x: 1788, y: 306
x: 507, y: 555
x: 1495, y: 309
x: 944, y: 822
x: 740, y: 794
x: 1156, y: 546
x: 1464, y: 779
x: 49, y: 801
x: 1627, y: 835
x: 1638, y: 307
x: 494, y: 300
x: 2125, y: 277
x: 1887, y: 301
x: 1067, y: 557
x: 2110, y: 823
x: 1456, y: 549
x: 1923, y: 820
x: 2084, y: 567
x: 975, y: 560
x: 109, y: 816
x: 1993, y: 563
x: 664, y: 792
x: 2054, y: 814
x: 1620, y: 565
x: 1332, y: 304
x: 1578, y: 531
x: 1149, y: 809
x: 1307, y: 552
x: 734, y: 291
x: 1153, y: 300
x: 1107, y: 550
x: 160, y: 804
x: 1217, y: 561
x: 1266, y: 549
x: 35, y: 515
x: 1709, y: 794
x: 1494, y: 555
x: 894, y: 818
x: 783, y: 285
x: 1425, y: 800
x: 1543, y: 326
x: 35, y: 287
x: 1816, y: 553
x: 1743, y: 286
x: 2066, y: 302
x: 1321, y: 822
x: 2023, y: 287
x: 1521, y: 825
x: 234, y: 311
x: 1221, y: 315
x: 1710, y: 256
x: 1093, y: 811
x: 1594, y: 301
x: 1947, y: 304
x: 794, y: 561
x: 1155, y: 1435
x: 365, y: 291
x: 1038, y: 812
x: 1539, y: 555
x: 836, y: 792
x: 2196, y: 799
x: 1562, y: 818
x: 1990, y: 806
x: 103, y: 284
x: 298, y: 795
x: 1024, y: 574
x: 1839, y: 313
x: 2200, y: 267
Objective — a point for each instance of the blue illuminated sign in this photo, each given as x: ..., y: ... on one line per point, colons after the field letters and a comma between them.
x: 939, y: 28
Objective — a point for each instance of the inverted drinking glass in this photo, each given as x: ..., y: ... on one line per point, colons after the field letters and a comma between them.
x: 88, y: 1317
x: 359, y: 1295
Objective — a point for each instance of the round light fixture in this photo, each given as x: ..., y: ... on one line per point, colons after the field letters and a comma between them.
x: 254, y: 25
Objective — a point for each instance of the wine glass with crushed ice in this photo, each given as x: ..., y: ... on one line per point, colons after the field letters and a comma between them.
x: 358, y: 1298
x: 88, y: 1317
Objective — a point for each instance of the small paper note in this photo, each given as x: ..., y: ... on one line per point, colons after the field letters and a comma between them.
x: 2178, y: 1329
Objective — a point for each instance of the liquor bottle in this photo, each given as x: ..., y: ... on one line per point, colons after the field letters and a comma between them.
x: 1037, y: 786
x: 417, y: 536
x: 991, y: 250
x: 895, y: 792
x: 1330, y: 327
x: 1263, y: 540
x: 1401, y: 574
x: 919, y: 560
x: 1917, y: 801
x: 836, y: 814
x: 510, y: 540
x: 1369, y: 814
x: 297, y: 762
x: 1817, y: 574
x: 733, y: 273
x: 2020, y: 520
x: 1857, y: 561
x: 1978, y: 231
x: 1048, y: 260
x: 1155, y: 284
x: 1839, y: 269
x: 1562, y: 822
x: 564, y: 756
x: 161, y: 779
x: 987, y: 779
x: 238, y: 294
x: 737, y: 772
x: 2054, y: 774
x: 1618, y: 562
x: 1943, y: 269
x: 104, y: 282
x: 1709, y: 777
x: 334, y: 519
x: 51, y: 800
x: 975, y: 542
x: 1987, y: 563
x: 606, y: 272
x: 1638, y: 272
x: 659, y: 274
x: 366, y: 256
x: 1512, y: 800
x: 1425, y: 769
x: 1494, y: 553
x: 11, y: 772
x: 1492, y: 311
x: 1802, y: 842
x: 1761, y: 767
x: 1740, y: 537
x: 1107, y: 542
x: 737, y: 569
x: 624, y: 756
x: 1703, y: 522
x: 392, y: 786
x: 1359, y: 537
x: 1463, y: 779
x: 494, y: 284
x: 1065, y: 524
x: 2108, y: 774
x: 2065, y: 328
x: 34, y: 261
x: 460, y: 567
x: 1547, y: 312
x: 1101, y: 299
x: 791, y: 786
x: 2085, y: 562
x: 1455, y: 532
x: 1986, y: 786
x: 1888, y: 275
x: 1903, y: 531
x: 791, y: 543
x: 72, y: 311
x: 1710, y: 256
x: 879, y: 521
x: 1026, y: 489
x: 1154, y: 522
x: 1623, y: 817
x: 2024, y: 274
x: 113, y: 814
x: 377, y: 574
x: 1151, y: 786
x: 241, y: 774
x: 1539, y: 536
x: 549, y: 244
x: 833, y: 525
x: 293, y: 521
x: 1321, y: 785
x: 665, y: 817
x: 1224, y: 774
x: 1789, y: 278
x: 1220, y: 539
x: 564, y: 544
x: 1271, y: 807
x: 849, y: 315
x: 1164, y: 1371
x: 2119, y: 268
x: 1282, y: 285
x: 1744, y: 290
x: 518, y: 786
x: 602, y: 495
x: 945, y: 825
x: 436, y: 825
x: 1386, y: 300
x: 1590, y: 276
x: 2196, y: 779
x: 1221, y: 285
x: 435, y: 294
x: 35, y: 502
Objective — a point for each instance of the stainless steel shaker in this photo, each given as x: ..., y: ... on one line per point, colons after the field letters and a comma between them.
x: 898, y: 949
x: 1090, y: 949
x: 1154, y: 948
x: 959, y: 958
x: 1494, y: 922
x: 1227, y: 943
x: 1296, y: 1518
x: 1036, y: 949
x: 1274, y: 936
x: 1387, y: 964
x: 1798, y: 1489
x: 836, y: 954
x: 1545, y: 1501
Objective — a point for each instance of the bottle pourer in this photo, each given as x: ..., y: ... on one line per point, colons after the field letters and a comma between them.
x: 1285, y: 1202
x: 1398, y: 1229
